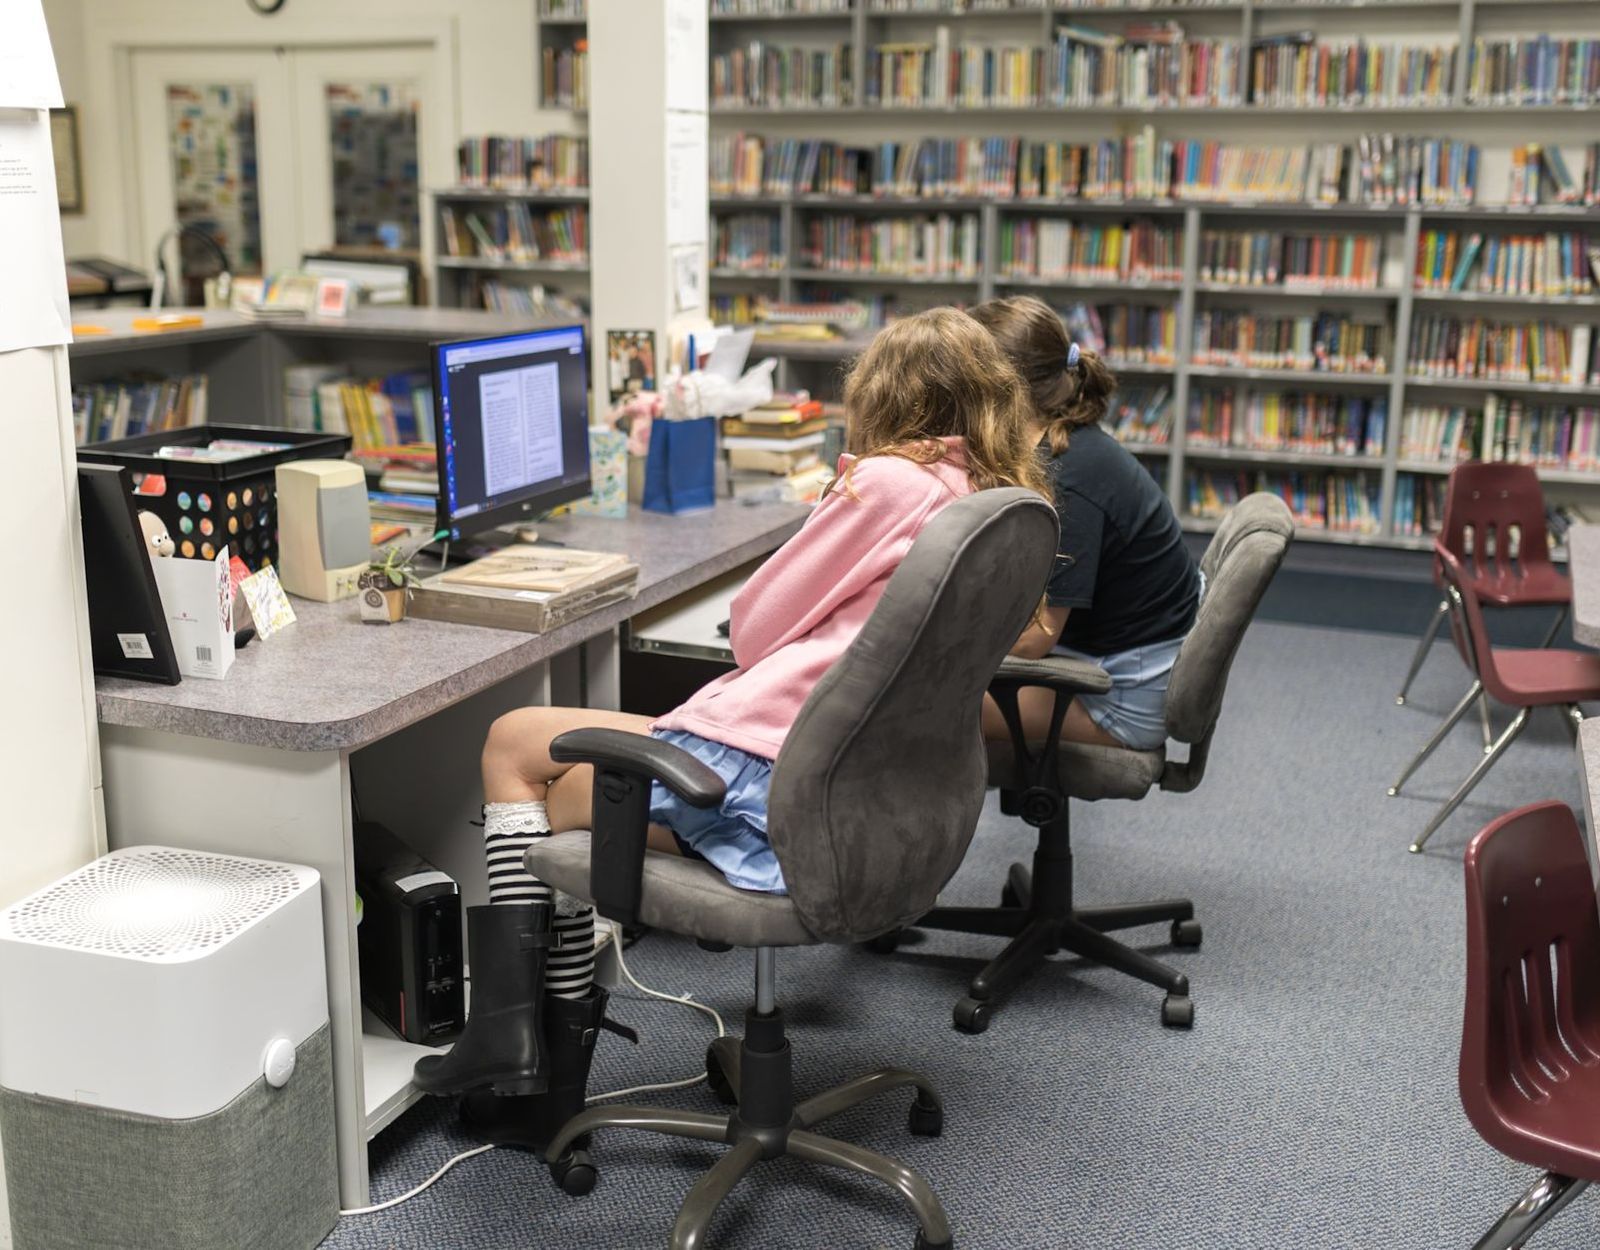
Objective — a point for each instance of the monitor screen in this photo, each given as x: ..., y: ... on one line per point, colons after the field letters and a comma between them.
x: 512, y: 415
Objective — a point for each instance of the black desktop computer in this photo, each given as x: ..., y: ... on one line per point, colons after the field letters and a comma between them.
x: 512, y: 415
x: 409, y: 939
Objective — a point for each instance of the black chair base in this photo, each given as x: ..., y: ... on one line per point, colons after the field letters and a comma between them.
x: 753, y: 1075
x: 1036, y: 912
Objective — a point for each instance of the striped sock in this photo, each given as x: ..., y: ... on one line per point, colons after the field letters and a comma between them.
x: 509, y: 829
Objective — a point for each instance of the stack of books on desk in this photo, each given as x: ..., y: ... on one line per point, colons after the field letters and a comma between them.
x: 782, y: 436
x: 527, y: 587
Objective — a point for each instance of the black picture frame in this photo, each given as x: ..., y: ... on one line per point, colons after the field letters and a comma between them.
x: 68, y: 149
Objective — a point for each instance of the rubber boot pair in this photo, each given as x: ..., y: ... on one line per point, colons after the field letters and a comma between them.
x: 502, y: 1049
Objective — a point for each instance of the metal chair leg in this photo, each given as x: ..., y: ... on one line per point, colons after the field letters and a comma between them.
x: 1572, y: 716
x: 1545, y: 1197
x: 1555, y: 626
x: 1423, y: 643
x: 701, y: 1203
x: 692, y: 1124
x: 843, y: 1097
x: 913, y: 1188
x: 1439, y: 735
x: 1483, y: 719
x: 1473, y: 778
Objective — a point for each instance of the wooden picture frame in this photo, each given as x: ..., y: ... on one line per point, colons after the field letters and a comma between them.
x: 68, y: 158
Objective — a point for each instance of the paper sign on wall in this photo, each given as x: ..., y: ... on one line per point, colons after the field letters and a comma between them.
x: 33, y: 271
x: 28, y: 78
x: 688, y: 211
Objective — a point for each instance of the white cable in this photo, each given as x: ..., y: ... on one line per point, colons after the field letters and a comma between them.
x: 406, y: 1197
x: 685, y: 1000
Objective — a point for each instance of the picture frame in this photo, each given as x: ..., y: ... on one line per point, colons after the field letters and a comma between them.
x: 68, y: 151
x: 630, y: 362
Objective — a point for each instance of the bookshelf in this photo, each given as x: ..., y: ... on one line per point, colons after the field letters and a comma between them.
x: 1438, y: 35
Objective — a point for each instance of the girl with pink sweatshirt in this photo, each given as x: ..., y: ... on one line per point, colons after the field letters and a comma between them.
x: 933, y: 411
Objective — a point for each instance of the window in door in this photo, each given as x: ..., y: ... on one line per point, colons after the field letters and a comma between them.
x: 372, y: 141
x: 212, y: 130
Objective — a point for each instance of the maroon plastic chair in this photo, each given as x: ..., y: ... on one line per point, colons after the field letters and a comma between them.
x: 1484, y: 503
x: 1522, y: 677
x: 1530, y: 1034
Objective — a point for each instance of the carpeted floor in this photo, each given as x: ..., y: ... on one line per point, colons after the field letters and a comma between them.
x: 1313, y: 1106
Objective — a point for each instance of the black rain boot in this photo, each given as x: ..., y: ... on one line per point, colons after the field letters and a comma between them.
x: 502, y: 1046
x: 571, y: 1027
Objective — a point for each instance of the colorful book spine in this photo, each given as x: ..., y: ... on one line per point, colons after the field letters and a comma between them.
x: 1341, y: 502
x: 1299, y: 71
x: 749, y: 242
x: 1352, y: 261
x: 526, y: 163
x: 1321, y: 342
x: 1541, y: 70
x: 943, y: 245
x: 766, y: 75
x: 1288, y: 421
x: 1524, y: 351
x: 1053, y: 248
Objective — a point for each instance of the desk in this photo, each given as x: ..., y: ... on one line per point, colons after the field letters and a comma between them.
x: 332, y: 712
x: 1583, y: 563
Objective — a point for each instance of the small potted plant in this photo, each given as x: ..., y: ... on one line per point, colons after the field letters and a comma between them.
x: 386, y: 586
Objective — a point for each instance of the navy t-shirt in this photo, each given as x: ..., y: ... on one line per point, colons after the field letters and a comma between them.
x: 1121, y: 566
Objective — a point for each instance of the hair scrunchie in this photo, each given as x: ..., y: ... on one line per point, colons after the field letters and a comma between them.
x: 1072, y: 356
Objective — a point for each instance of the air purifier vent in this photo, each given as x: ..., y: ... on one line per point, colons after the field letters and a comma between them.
x: 153, y: 903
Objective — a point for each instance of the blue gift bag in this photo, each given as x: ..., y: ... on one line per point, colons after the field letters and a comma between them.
x: 681, y: 472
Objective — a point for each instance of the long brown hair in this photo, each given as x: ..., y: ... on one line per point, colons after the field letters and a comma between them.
x: 1034, y: 340
x: 934, y: 375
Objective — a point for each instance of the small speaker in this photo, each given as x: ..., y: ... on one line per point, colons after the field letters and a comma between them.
x: 166, y: 1073
x: 324, y: 528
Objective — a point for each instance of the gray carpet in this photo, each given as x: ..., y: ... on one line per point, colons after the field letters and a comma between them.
x: 1314, y: 1104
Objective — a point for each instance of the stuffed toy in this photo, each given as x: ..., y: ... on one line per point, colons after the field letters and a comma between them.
x: 156, y: 539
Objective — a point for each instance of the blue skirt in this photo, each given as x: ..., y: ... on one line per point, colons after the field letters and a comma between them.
x: 731, y: 837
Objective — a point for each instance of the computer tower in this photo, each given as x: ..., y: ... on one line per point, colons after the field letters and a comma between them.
x: 166, y: 1066
x: 409, y: 939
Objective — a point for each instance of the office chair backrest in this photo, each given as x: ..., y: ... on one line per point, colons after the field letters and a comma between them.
x: 1484, y: 505
x: 876, y: 793
x: 1532, y: 1015
x: 1239, y: 565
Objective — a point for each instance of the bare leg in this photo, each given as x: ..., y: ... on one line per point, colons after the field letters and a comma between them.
x: 517, y: 766
x: 1034, y: 704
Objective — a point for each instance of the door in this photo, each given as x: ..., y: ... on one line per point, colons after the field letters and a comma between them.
x: 368, y: 124
x: 216, y: 149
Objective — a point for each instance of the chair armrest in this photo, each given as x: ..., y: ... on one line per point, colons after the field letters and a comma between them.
x: 1057, y: 672
x: 624, y: 766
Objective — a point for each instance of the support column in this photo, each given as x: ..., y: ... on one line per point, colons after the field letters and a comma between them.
x: 647, y: 174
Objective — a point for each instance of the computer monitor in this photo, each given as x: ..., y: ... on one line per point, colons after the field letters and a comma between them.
x: 512, y: 415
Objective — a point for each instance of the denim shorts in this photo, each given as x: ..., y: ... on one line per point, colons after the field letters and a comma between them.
x: 733, y: 836
x: 1134, y: 710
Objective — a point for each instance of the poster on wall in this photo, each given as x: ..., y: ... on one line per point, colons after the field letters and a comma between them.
x: 688, y: 179
x: 28, y: 78
x: 33, y: 272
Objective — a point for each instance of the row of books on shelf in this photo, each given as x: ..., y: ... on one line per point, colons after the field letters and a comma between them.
x: 1141, y: 416
x: 776, y: 8
x: 1418, y: 505
x: 1377, y: 168
x: 375, y: 411
x: 1339, y: 502
x: 1557, y: 262
x: 534, y: 299
x: 1553, y: 436
x: 1288, y: 421
x: 1050, y: 247
x: 565, y: 77
x: 748, y: 241
x: 1497, y: 351
x: 524, y: 163
x: 1300, y: 69
x: 124, y: 408
x: 1541, y: 70
x: 1540, y: 175
x: 764, y: 75
x: 940, y: 245
x: 1320, y: 342
x: 517, y: 231
x: 566, y: 10
x: 1348, y: 260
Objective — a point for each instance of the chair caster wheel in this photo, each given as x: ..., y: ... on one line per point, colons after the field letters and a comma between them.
x: 1186, y: 933
x: 971, y: 1016
x: 1177, y: 1011
x: 885, y: 943
x: 574, y: 1172
x: 922, y: 1243
x: 717, y: 1080
x: 926, y: 1118
x: 1400, y: 700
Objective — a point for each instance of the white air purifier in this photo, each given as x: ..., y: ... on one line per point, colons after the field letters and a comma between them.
x: 166, y: 1075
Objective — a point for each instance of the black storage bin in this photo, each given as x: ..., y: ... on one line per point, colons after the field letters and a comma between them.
x: 209, y: 504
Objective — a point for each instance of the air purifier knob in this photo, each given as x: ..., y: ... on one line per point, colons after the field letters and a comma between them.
x: 278, y: 1064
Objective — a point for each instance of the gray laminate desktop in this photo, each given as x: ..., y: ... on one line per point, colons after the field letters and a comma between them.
x: 389, y: 720
x: 1583, y: 564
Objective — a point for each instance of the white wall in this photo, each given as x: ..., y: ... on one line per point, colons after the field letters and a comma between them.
x: 495, y: 51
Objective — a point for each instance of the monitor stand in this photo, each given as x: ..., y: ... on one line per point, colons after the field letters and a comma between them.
x: 456, y: 554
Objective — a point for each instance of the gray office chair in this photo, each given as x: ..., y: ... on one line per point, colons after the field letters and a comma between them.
x: 874, y: 800
x: 1036, y: 779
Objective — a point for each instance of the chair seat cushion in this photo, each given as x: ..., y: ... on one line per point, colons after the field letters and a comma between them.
x: 1540, y: 676
x: 680, y: 895
x: 1089, y: 772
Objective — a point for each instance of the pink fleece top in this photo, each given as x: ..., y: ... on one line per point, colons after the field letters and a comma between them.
x: 806, y: 604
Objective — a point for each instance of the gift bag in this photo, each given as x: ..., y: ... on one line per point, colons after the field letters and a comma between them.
x: 608, y: 470
x: 681, y: 472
